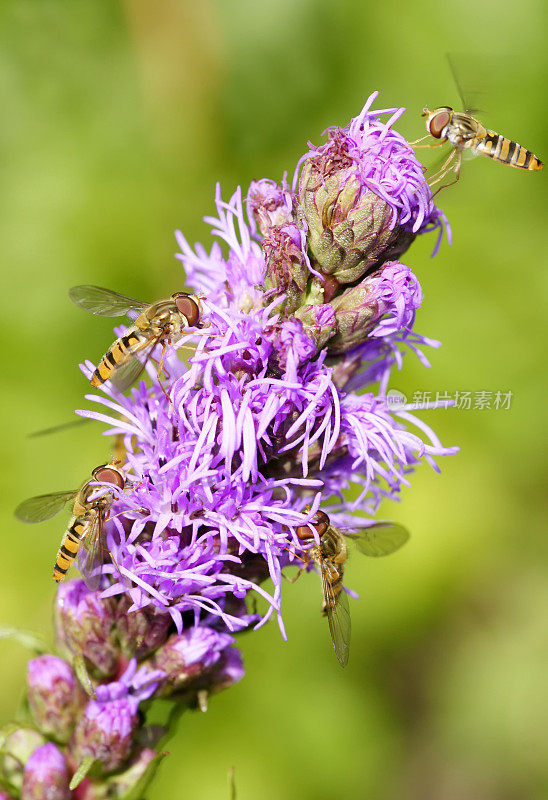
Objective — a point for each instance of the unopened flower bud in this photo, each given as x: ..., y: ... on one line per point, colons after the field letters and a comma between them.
x: 286, y: 265
x: 85, y: 626
x: 363, y: 197
x: 185, y: 657
x: 17, y: 747
x: 46, y: 775
x: 142, y: 631
x: 105, y: 732
x: 319, y: 323
x: 120, y: 783
x: 269, y: 205
x: 390, y: 297
x: 291, y: 344
x: 356, y: 312
x: 55, y: 696
x: 228, y: 671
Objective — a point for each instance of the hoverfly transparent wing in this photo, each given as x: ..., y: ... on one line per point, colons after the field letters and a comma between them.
x: 338, y: 616
x: 59, y: 428
x: 44, y: 506
x: 379, y: 539
x: 104, y: 302
x: 92, y: 553
x: 467, y: 98
x: 128, y: 373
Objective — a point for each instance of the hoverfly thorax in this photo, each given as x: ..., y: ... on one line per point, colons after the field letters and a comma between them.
x: 158, y: 315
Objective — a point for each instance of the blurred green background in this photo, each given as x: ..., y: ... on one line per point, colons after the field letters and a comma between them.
x: 117, y: 120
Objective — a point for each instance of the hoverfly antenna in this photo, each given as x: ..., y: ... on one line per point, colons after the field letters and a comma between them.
x: 425, y: 112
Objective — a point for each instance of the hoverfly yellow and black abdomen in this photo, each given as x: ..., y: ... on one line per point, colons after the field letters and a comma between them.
x: 65, y: 557
x: 117, y: 355
x: 506, y: 151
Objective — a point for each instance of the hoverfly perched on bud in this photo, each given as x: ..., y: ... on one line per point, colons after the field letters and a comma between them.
x: 83, y: 536
x: 162, y: 322
x: 379, y: 539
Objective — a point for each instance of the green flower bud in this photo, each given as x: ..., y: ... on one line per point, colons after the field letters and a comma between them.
x: 350, y: 228
x: 17, y: 747
x: 286, y: 267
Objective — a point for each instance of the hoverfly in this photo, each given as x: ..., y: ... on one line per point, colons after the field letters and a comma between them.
x: 83, y: 534
x: 380, y: 539
x: 465, y: 132
x: 162, y: 322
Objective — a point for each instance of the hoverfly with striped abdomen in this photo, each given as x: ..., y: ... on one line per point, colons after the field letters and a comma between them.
x: 465, y: 132
x: 162, y: 322
x: 379, y: 539
x: 83, y: 536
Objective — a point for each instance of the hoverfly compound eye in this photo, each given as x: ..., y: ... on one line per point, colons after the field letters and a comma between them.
x: 320, y: 523
x: 109, y: 474
x: 188, y: 306
x: 438, y: 123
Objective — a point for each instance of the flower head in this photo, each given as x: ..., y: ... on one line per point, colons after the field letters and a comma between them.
x: 17, y: 747
x: 55, y: 697
x: 363, y: 196
x: 85, y: 626
x: 46, y: 775
x: 106, y: 728
x: 187, y: 656
x: 269, y: 205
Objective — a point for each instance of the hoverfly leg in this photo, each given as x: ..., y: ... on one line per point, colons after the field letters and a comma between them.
x: 160, y: 369
x: 299, y: 573
x: 457, y: 175
x: 443, y: 170
x: 419, y: 146
x: 422, y: 138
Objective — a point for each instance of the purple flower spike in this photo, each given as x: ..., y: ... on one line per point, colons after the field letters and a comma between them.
x: 303, y: 305
x: 85, y: 625
x: 282, y: 410
x: 55, y: 696
x: 46, y: 775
